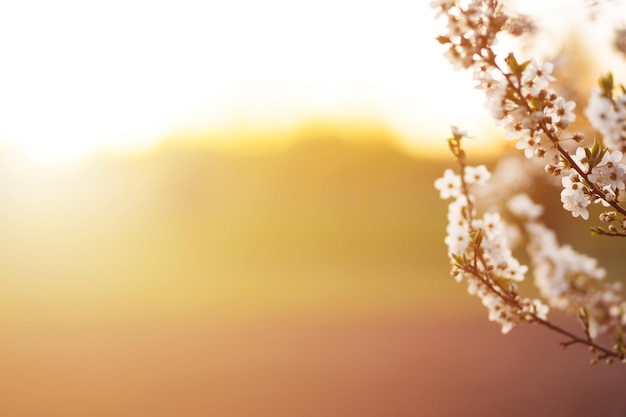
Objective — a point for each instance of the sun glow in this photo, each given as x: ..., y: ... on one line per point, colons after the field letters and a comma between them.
x: 78, y: 77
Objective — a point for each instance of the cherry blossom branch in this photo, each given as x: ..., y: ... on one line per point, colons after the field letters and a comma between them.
x: 553, y: 137
x: 490, y: 270
x: 519, y: 98
x: 573, y: 338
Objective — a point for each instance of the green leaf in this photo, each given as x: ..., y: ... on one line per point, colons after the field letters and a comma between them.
x: 607, y: 85
x: 516, y: 67
x: 595, y: 148
x: 598, y: 231
x: 594, y: 156
x: 477, y: 237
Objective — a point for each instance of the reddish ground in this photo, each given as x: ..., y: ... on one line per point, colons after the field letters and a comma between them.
x: 383, y: 367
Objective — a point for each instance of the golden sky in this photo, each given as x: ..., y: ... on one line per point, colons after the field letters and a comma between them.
x: 77, y: 77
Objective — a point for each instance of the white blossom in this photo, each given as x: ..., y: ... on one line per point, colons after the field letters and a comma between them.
x: 609, y: 118
x: 575, y: 201
x: 476, y: 175
x: 449, y: 185
x: 580, y: 158
x: 522, y: 206
x: 529, y: 143
x: 562, y: 112
x: 536, y: 77
x: 609, y: 172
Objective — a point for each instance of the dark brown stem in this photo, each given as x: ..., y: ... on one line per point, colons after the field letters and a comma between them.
x: 575, y: 339
x: 510, y: 299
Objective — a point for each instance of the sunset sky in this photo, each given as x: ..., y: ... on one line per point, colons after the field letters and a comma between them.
x: 77, y: 77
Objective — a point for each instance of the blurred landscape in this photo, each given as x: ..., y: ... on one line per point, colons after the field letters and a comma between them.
x: 310, y: 280
x: 324, y: 224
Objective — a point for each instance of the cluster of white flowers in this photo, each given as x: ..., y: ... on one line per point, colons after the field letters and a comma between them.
x: 608, y: 116
x: 510, y: 176
x: 518, y: 97
x: 480, y: 252
x: 566, y: 279
x: 522, y: 104
x: 480, y: 248
x: 469, y: 32
x: 570, y: 281
x: 599, y: 178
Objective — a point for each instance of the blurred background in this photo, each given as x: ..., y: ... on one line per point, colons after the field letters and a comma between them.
x: 227, y: 210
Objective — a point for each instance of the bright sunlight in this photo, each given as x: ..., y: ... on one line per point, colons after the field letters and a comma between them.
x: 78, y: 77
